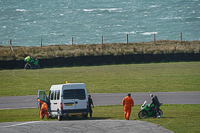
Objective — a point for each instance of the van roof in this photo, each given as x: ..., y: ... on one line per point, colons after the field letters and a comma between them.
x: 69, y: 84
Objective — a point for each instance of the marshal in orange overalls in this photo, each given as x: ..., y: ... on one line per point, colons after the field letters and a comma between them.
x: 128, y: 103
x: 43, y: 109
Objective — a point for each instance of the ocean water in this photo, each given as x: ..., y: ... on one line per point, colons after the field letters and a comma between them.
x: 57, y: 21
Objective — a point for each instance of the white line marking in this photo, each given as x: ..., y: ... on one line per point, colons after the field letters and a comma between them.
x: 18, y: 108
x: 21, y: 124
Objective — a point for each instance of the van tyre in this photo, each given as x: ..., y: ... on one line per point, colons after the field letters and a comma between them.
x: 59, y: 118
x: 85, y: 116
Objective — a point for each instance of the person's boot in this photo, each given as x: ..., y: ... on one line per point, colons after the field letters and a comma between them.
x: 157, y: 115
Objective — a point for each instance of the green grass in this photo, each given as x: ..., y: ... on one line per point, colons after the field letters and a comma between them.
x: 177, y: 118
x: 153, y: 77
x: 51, y: 51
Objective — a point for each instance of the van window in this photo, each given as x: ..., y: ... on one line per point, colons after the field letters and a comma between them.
x: 68, y: 94
x: 52, y: 93
x: 74, y: 94
x: 58, y: 94
x: 80, y: 94
x: 49, y: 94
x: 54, y: 98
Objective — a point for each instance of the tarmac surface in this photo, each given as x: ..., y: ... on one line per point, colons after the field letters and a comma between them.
x: 91, y: 126
x: 16, y: 102
x: 82, y: 126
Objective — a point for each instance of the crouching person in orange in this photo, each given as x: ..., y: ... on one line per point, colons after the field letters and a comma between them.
x: 43, y: 109
x: 128, y: 103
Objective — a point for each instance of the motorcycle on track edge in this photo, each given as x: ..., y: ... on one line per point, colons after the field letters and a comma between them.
x: 147, y: 111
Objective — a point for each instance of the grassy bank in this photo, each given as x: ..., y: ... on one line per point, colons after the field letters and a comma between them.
x: 177, y: 118
x: 51, y: 51
x: 154, y: 77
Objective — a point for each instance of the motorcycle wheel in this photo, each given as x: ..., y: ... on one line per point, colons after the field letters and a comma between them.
x: 142, y: 114
x: 38, y: 66
x: 160, y: 112
x: 27, y: 66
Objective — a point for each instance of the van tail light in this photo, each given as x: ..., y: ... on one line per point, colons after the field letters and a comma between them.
x: 61, y: 106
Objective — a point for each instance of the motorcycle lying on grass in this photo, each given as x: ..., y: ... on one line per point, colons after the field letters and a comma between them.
x: 31, y: 63
x: 147, y: 111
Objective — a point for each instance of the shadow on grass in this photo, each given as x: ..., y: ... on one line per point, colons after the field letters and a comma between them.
x: 168, y: 117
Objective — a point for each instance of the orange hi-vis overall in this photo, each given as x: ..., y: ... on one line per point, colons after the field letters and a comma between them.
x: 43, y: 109
x: 127, y: 102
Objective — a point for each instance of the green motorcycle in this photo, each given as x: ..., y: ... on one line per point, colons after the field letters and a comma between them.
x: 31, y: 63
x: 147, y: 111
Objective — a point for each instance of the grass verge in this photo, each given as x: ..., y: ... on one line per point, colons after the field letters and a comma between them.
x: 152, y: 77
x: 51, y: 51
x: 177, y: 118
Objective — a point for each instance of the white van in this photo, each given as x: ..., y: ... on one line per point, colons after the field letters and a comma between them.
x: 66, y: 100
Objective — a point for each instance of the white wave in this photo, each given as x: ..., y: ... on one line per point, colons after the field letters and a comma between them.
x: 178, y: 17
x: 166, y: 18
x: 102, y: 9
x: 119, y: 25
x: 88, y: 10
x: 111, y: 9
x: 149, y: 33
x: 20, y: 10
x: 154, y: 6
x: 131, y: 32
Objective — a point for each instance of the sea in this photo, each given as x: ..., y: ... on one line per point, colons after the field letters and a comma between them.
x: 61, y: 22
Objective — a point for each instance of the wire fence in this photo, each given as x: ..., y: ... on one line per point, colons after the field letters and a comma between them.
x: 102, y: 40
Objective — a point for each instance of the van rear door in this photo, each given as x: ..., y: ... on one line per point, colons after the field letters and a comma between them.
x: 55, y: 100
x: 80, y: 99
x: 68, y: 99
x: 42, y: 96
x: 74, y: 99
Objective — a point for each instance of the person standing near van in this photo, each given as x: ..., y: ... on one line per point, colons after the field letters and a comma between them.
x: 44, y: 109
x: 90, y: 103
x: 128, y: 103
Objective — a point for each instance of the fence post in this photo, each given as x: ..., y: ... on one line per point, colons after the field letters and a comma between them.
x: 102, y: 40
x: 181, y: 36
x: 41, y: 43
x: 154, y: 38
x: 11, y: 44
x: 72, y: 41
x: 127, y: 38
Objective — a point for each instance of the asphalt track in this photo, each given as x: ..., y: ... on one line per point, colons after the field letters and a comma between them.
x: 91, y: 126
x: 82, y: 126
x: 16, y: 102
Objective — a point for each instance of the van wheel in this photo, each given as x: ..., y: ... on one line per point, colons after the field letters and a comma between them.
x: 59, y: 118
x: 85, y: 116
